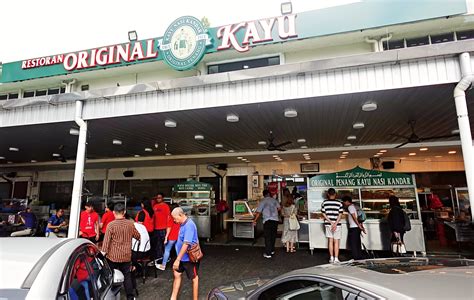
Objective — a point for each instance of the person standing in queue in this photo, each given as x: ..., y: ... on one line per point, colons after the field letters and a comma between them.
x: 188, y: 236
x: 172, y: 233
x: 116, y: 247
x: 332, y: 214
x: 161, y: 216
x: 107, y: 217
x: 89, y: 224
x: 269, y: 208
x: 355, y: 228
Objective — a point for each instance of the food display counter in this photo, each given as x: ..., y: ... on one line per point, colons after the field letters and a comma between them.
x: 369, y: 190
x: 197, y: 201
x: 242, y: 220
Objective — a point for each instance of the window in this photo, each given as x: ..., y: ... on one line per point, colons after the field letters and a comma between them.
x: 85, y: 87
x: 53, y: 91
x: 442, y: 38
x: 103, y: 276
x: 41, y: 93
x: 243, y: 64
x: 79, y: 279
x: 28, y: 94
x: 3, y: 97
x: 418, y: 42
x: 306, y: 290
x: 464, y: 35
x: 13, y: 96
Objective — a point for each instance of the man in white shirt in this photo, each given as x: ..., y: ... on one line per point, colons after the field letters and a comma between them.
x: 355, y: 228
x: 142, y: 246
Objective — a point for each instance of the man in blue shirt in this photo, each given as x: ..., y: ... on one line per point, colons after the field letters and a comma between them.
x: 56, y: 223
x: 29, y: 220
x: 269, y: 208
x: 187, y: 236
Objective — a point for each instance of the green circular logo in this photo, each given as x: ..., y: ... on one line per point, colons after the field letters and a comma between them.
x: 184, y: 43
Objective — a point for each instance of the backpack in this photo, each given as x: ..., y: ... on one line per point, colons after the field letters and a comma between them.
x: 407, y: 226
x: 361, y: 216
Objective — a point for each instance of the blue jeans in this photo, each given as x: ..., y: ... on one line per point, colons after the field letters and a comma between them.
x: 160, y: 235
x: 169, y: 246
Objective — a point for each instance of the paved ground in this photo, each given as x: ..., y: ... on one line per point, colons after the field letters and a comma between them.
x: 223, y: 264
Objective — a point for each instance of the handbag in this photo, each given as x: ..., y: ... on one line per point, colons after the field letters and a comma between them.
x: 194, y: 252
x: 398, y: 247
x: 293, y: 221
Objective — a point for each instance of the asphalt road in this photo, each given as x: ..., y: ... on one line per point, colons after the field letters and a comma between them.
x: 223, y: 264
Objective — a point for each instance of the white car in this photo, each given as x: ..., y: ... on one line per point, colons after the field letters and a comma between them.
x: 387, y: 278
x: 45, y: 268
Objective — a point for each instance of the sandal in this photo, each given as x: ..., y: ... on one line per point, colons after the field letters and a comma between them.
x: 293, y: 250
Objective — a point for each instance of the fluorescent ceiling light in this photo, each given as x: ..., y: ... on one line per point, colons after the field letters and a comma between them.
x: 301, y: 141
x: 307, y: 158
x: 345, y: 152
x: 347, y: 145
x: 351, y: 137
x: 383, y: 151
x: 290, y: 113
x: 342, y: 157
x: 56, y: 155
x: 232, y: 118
x: 275, y: 156
x: 262, y: 143
x: 219, y: 146
x: 199, y: 137
x: 379, y: 153
x: 452, y: 152
x: 2, y: 157
x: 117, y: 142
x: 369, y: 106
x: 136, y: 155
x: 74, y: 131
x: 14, y: 149
x: 455, y: 131
x: 376, y: 155
x: 424, y: 149
x: 231, y: 151
x: 245, y: 66
x: 438, y: 156
x: 148, y: 150
x: 9, y: 162
x: 239, y: 157
x: 412, y: 154
x: 168, y: 154
x: 304, y: 147
x: 305, y: 154
x: 170, y: 124
x: 33, y: 161
x: 358, y: 125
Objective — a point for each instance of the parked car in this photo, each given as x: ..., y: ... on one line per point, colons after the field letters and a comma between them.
x: 390, y: 278
x: 46, y: 268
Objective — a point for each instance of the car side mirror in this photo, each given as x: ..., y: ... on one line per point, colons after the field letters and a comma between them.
x: 118, y: 277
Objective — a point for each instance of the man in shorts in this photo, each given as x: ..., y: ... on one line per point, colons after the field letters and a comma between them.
x: 187, y: 236
x: 332, y: 214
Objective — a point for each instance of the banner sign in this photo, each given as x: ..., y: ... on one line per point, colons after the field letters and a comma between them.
x: 192, y: 185
x: 186, y: 40
x: 359, y: 177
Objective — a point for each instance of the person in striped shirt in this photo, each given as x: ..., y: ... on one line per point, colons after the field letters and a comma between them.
x: 332, y: 214
x: 116, y: 247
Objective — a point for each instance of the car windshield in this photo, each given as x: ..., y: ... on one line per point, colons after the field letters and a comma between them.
x: 408, y: 265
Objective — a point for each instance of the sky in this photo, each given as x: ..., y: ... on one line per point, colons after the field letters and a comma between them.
x: 32, y: 28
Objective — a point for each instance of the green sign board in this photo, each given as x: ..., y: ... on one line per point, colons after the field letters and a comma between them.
x: 186, y: 41
x: 192, y: 185
x: 359, y: 177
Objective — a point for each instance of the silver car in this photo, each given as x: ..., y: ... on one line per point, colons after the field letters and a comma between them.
x: 392, y: 278
x: 46, y: 268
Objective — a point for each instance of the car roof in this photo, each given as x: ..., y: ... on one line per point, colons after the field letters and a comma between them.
x: 434, y: 278
x: 18, y: 256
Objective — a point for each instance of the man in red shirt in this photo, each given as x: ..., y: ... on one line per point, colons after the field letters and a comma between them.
x: 161, y: 217
x: 89, y: 224
x: 107, y: 217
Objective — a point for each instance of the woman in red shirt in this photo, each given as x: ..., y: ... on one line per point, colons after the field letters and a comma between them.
x: 148, y: 211
x: 172, y: 232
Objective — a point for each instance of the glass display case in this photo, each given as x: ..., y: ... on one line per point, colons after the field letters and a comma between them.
x: 463, y: 212
x: 374, y: 201
x: 318, y: 195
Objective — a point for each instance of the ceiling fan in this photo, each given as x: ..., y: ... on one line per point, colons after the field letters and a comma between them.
x: 278, y: 147
x: 414, y: 138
